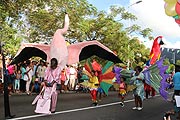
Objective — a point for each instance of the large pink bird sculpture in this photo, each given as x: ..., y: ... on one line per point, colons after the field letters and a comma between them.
x: 65, y: 54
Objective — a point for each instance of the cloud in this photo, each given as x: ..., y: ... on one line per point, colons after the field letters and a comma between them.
x: 168, y: 44
x: 151, y: 14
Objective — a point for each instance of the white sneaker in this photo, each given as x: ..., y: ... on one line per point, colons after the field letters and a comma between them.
x: 122, y: 104
x: 134, y: 108
x: 139, y: 108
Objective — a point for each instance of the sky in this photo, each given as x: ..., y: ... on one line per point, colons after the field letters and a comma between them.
x: 151, y: 14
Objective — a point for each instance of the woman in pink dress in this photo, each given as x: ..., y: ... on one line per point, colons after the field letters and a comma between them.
x: 52, y: 77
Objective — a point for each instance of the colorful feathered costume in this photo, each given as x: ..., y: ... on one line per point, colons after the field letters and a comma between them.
x: 105, y: 76
x: 155, y: 50
x: 154, y: 76
x: 154, y: 56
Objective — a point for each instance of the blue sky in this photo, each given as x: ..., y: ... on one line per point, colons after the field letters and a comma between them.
x: 105, y: 4
x: 151, y: 14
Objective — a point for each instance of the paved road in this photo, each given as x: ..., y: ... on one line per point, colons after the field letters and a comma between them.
x: 77, y: 106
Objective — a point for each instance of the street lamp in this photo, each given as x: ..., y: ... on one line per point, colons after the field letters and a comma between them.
x: 128, y: 61
x: 135, y: 3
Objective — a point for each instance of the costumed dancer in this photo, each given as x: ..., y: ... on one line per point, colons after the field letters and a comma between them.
x: 122, y: 90
x: 93, y: 85
x: 154, y: 56
x: 52, y: 77
x: 139, y: 90
x: 100, y: 91
x: 155, y: 50
x: 98, y: 72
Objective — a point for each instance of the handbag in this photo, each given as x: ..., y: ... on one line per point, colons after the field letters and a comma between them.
x: 25, y: 77
x: 44, y: 102
x: 38, y: 96
x: 43, y: 106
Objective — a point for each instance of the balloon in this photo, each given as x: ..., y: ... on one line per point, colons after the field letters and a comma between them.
x: 176, y: 17
x: 177, y: 7
x: 165, y: 5
x: 178, y: 1
x: 171, y: 1
x: 177, y: 21
x: 170, y: 10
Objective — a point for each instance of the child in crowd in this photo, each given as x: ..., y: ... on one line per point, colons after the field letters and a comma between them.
x: 78, y: 88
x: 17, y: 81
x: 122, y: 90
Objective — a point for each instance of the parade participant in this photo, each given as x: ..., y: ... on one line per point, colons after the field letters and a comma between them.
x: 122, y: 90
x: 100, y: 91
x: 52, y: 77
x: 94, y: 83
x: 147, y: 89
x: 139, y: 90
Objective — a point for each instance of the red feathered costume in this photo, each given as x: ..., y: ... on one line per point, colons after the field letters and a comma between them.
x: 154, y: 56
x: 155, y: 51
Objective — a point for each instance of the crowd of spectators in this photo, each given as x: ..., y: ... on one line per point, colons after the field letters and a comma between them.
x: 27, y: 77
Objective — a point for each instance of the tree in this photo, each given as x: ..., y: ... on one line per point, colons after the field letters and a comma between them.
x: 37, y: 20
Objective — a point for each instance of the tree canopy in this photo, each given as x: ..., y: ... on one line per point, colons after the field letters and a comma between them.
x: 37, y: 20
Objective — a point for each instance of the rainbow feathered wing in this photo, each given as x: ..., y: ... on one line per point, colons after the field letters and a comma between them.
x: 105, y: 76
x: 155, y: 76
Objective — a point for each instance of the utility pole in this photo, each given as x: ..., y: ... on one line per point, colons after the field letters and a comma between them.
x: 6, y: 92
x: 174, y: 56
x: 128, y: 61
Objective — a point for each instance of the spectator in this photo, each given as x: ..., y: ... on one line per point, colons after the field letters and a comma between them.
x: 176, y: 82
x: 72, y: 78
x: 40, y: 72
x: 22, y: 81
x: 11, y: 77
x: 29, y: 74
x: 67, y: 69
x: 63, y: 79
x: 17, y: 81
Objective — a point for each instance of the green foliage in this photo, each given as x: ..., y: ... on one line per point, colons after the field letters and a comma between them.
x: 178, y: 62
x: 166, y: 62
x: 37, y: 20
